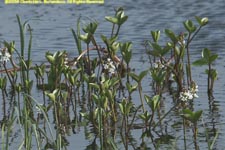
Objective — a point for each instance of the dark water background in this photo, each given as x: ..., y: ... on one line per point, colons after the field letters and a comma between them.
x: 51, y: 32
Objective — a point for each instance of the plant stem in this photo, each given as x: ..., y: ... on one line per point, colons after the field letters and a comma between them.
x: 184, y: 132
x: 140, y: 94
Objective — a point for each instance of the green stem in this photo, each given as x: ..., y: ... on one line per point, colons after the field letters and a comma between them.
x: 184, y: 132
x: 7, y: 73
x: 140, y: 94
x: 189, y: 62
x: 118, y: 29
x: 209, y: 80
x: 112, y: 30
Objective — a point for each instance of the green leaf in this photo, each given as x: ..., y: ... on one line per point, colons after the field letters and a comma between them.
x: 155, y: 35
x: 109, y: 95
x: 214, y: 74
x: 156, y: 47
x: 143, y: 74
x: 200, y: 62
x: 188, y: 115
x: 213, y: 58
x: 145, y: 116
x: 131, y: 88
x: 190, y: 27
x: 197, y: 115
x: 3, y: 82
x: 121, y: 17
x: 21, y: 27
x: 171, y: 35
x: 91, y: 28
x: 112, y: 19
x: 51, y: 96
x: 191, y: 116
x: 50, y: 58
x: 86, y: 38
x: 207, y: 58
x: 139, y: 77
x: 94, y: 85
x: 206, y: 54
x: 113, y: 82
x: 134, y: 76
x: 109, y: 42
x: 202, y: 21
x: 121, y: 108
x: 158, y: 75
x: 125, y: 107
x: 10, y: 46
x: 153, y: 102
x: 126, y: 51
x: 122, y: 20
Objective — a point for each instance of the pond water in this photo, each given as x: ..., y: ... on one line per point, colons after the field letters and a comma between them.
x: 51, y: 26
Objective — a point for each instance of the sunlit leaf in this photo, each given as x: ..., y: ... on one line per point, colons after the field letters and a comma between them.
x: 202, y: 21
x: 171, y: 35
x: 190, y: 27
x: 155, y: 35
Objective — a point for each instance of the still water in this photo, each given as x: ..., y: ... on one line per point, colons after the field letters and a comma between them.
x: 51, y: 26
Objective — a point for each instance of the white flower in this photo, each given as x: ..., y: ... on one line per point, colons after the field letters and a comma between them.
x: 158, y: 65
x: 195, y: 95
x: 109, y: 66
x: 4, y: 55
x: 186, y: 95
x: 194, y: 89
x: 106, y: 66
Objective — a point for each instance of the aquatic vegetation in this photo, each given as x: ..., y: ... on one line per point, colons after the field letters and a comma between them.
x: 4, y: 55
x: 208, y: 59
x: 97, y: 92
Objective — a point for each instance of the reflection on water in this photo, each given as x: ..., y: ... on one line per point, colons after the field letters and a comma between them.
x: 51, y: 32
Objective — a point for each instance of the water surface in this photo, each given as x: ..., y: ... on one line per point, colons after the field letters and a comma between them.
x: 51, y: 26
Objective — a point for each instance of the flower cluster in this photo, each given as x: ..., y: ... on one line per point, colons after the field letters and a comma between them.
x: 189, y: 94
x: 194, y: 87
x: 109, y: 66
x: 4, y: 55
x: 158, y: 65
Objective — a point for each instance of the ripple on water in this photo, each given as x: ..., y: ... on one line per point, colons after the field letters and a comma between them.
x: 51, y: 31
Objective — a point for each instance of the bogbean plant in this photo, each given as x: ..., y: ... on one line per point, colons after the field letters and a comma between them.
x: 173, y: 65
x: 106, y: 84
x: 207, y: 59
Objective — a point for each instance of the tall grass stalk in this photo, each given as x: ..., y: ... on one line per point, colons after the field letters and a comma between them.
x: 24, y: 64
